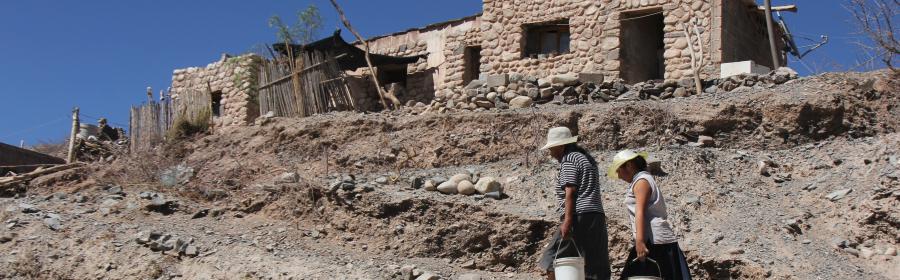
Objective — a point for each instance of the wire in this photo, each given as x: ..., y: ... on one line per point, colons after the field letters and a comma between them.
x: 640, y: 17
x: 35, y: 127
x: 95, y: 117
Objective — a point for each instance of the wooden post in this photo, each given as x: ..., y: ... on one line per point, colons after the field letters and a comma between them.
x: 149, y: 95
x: 769, y: 26
x: 71, y: 157
x: 381, y: 92
x: 697, y: 60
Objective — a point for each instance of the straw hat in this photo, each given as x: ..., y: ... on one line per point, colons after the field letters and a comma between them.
x: 621, y: 158
x: 559, y: 136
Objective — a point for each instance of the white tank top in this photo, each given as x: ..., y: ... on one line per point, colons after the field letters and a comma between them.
x: 659, y: 231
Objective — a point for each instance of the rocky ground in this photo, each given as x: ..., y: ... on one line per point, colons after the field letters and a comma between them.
x: 797, y: 180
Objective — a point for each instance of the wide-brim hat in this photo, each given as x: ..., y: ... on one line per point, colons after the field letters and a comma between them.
x: 621, y: 158
x: 559, y: 136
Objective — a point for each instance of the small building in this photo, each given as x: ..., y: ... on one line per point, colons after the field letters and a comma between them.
x: 635, y: 40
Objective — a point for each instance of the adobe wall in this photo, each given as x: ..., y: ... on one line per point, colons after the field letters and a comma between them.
x: 235, y: 77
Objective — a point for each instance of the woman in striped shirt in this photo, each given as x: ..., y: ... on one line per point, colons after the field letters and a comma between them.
x: 580, y: 208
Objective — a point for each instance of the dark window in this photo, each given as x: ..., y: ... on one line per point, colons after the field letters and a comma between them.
x: 546, y: 38
x: 389, y: 74
x: 216, y: 100
x: 472, y: 58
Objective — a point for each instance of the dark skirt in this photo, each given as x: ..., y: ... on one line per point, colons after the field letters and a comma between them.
x: 670, y: 258
x: 592, y: 241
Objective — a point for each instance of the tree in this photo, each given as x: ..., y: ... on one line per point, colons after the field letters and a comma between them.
x: 875, y: 20
x: 309, y: 23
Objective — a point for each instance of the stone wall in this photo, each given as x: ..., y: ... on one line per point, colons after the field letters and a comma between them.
x: 595, y: 35
x: 234, y: 77
x: 442, y: 44
x: 744, y: 34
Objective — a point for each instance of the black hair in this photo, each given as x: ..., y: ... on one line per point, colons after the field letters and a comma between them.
x: 575, y: 148
x: 640, y: 164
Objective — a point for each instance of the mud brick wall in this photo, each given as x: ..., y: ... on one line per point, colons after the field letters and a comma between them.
x: 234, y: 77
x: 744, y: 34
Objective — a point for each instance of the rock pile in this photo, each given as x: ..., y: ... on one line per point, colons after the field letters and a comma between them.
x: 159, y: 242
x: 513, y: 91
x: 463, y: 184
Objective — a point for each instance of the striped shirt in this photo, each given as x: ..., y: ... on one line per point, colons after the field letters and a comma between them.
x: 576, y: 170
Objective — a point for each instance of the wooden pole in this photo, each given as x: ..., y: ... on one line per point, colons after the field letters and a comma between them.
x: 71, y: 157
x: 381, y: 92
x: 769, y: 26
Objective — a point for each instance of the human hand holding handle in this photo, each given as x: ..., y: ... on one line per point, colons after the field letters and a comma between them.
x: 642, y: 251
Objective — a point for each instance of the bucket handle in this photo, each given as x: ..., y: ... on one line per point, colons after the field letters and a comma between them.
x: 658, y: 269
x: 556, y: 254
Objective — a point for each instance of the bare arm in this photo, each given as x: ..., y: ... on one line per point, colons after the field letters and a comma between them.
x: 642, y: 196
x: 569, y: 216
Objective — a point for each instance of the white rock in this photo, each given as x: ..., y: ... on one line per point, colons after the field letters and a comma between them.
x: 430, y: 186
x: 428, y: 276
x: 520, y: 102
x: 564, y: 79
x: 460, y: 177
x: 866, y: 253
x: 465, y: 187
x: 487, y: 185
x: 448, y: 187
x: 890, y: 251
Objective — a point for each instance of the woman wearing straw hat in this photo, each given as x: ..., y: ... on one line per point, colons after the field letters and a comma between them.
x: 583, y: 228
x: 654, y: 238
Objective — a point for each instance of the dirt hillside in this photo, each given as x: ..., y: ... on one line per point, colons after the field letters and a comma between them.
x: 800, y: 181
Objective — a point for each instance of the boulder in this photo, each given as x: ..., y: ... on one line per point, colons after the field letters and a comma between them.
x: 430, y: 186
x: 474, y: 84
x: 509, y: 96
x: 488, y: 185
x: 595, y: 78
x: 459, y: 178
x: 448, y: 187
x: 564, y: 79
x: 520, y: 102
x: 544, y: 83
x: 497, y: 80
x: 547, y: 93
x: 706, y: 141
x: 465, y: 187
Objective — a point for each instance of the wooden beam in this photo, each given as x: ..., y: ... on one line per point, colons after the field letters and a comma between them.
x: 786, y: 8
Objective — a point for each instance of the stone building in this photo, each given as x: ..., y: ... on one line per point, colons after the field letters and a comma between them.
x: 635, y: 40
x: 231, y: 82
x: 513, y: 44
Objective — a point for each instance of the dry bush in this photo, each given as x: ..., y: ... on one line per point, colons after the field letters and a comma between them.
x: 184, y: 128
x: 875, y: 19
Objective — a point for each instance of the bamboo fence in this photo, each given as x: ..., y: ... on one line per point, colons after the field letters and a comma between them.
x: 317, y: 88
x: 150, y: 122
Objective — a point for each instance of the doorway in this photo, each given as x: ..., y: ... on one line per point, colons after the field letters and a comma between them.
x: 642, y: 46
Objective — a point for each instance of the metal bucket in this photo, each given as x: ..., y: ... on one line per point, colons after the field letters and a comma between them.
x: 658, y: 270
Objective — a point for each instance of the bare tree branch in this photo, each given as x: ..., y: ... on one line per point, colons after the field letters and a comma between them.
x: 381, y: 92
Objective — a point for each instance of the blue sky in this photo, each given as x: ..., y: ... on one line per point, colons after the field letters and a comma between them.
x: 100, y: 55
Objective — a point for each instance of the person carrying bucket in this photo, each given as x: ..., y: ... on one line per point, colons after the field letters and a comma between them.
x: 655, y: 251
x: 582, y: 231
